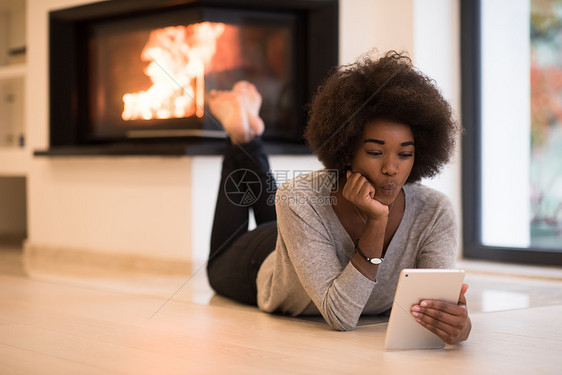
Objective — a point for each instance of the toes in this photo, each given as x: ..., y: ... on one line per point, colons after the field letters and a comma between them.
x: 249, y: 96
x: 256, y: 124
x: 238, y: 110
x: 242, y: 85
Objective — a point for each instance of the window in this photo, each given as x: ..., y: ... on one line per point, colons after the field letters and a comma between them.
x: 512, y: 111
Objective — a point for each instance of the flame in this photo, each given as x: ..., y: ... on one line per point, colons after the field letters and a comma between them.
x: 177, y: 57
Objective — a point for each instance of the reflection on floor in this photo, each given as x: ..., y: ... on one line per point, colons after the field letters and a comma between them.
x: 492, y: 287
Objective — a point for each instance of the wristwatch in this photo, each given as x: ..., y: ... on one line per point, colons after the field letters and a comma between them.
x: 370, y: 260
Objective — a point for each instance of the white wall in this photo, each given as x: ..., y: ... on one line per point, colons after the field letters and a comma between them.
x: 164, y: 206
x: 131, y: 205
x: 437, y: 54
x: 375, y: 24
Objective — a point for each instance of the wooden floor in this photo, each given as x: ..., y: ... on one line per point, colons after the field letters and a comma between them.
x: 68, y: 321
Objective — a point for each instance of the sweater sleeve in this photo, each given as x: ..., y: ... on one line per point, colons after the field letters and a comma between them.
x: 339, y: 292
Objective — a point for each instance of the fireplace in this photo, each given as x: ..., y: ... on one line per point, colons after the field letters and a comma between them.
x: 131, y: 76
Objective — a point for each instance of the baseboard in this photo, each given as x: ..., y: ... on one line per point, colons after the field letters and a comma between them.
x: 39, y: 257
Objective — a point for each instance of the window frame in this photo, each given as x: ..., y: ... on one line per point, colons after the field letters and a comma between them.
x: 473, y: 248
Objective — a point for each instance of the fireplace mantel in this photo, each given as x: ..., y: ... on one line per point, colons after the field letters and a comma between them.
x: 195, y: 147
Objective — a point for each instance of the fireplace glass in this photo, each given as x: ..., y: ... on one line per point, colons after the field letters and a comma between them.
x: 150, y: 76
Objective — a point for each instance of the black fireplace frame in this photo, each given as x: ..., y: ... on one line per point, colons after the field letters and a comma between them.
x: 68, y: 94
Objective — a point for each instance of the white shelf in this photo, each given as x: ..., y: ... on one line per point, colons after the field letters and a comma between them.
x: 14, y: 160
x: 13, y: 71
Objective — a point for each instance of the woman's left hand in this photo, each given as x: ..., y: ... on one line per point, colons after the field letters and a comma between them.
x: 448, y: 321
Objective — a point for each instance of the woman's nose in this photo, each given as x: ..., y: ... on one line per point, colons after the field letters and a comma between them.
x: 390, y: 166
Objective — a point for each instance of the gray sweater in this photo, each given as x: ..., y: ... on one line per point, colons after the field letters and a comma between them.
x: 310, y: 270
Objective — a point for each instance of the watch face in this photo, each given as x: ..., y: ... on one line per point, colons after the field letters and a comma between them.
x: 376, y: 260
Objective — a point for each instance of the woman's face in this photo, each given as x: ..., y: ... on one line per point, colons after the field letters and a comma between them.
x: 385, y: 157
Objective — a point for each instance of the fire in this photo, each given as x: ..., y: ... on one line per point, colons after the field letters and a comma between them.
x: 177, y: 57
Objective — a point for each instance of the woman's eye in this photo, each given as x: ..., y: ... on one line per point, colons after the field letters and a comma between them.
x: 374, y: 153
x: 406, y: 155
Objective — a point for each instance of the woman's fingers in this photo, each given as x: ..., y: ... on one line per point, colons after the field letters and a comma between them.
x: 462, y: 298
x: 446, y: 320
x: 446, y: 332
x: 358, y: 189
x: 360, y: 192
x: 434, y: 312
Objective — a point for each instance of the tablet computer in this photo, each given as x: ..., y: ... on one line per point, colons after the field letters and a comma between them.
x: 414, y: 285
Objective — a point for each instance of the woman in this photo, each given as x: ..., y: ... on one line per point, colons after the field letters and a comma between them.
x: 337, y: 239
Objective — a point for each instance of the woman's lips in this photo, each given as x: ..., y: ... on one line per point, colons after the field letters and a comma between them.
x: 388, y: 189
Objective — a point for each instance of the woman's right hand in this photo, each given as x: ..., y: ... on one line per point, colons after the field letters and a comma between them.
x: 361, y: 193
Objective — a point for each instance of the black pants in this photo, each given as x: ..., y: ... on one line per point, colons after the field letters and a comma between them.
x: 236, y: 253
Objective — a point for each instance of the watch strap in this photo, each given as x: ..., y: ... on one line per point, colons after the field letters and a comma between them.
x: 370, y: 260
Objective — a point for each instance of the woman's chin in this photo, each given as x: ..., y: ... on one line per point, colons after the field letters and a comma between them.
x: 387, y: 201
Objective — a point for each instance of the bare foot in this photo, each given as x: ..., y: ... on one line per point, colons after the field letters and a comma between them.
x: 251, y: 100
x: 227, y: 107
